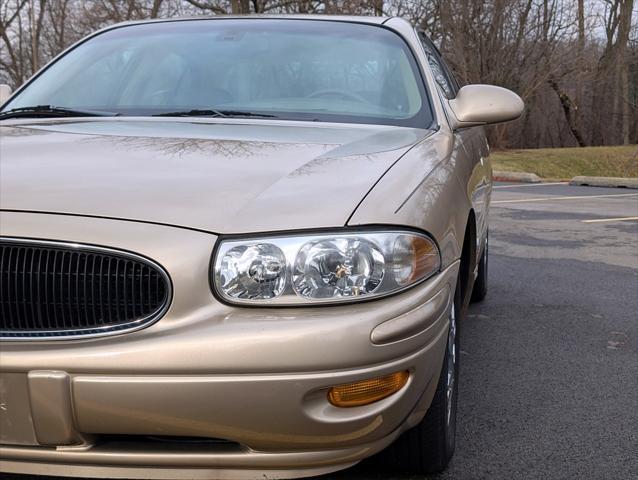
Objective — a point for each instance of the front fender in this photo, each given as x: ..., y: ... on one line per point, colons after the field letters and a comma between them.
x: 422, y: 191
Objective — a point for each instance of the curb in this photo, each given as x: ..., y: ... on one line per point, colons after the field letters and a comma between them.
x: 613, y: 182
x: 522, y: 177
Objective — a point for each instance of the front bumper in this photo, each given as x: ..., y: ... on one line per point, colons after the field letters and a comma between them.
x: 280, y: 426
x: 256, y: 378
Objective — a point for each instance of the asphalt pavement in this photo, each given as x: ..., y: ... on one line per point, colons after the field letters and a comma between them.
x: 549, y: 373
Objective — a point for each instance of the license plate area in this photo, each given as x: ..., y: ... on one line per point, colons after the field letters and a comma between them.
x: 16, y: 424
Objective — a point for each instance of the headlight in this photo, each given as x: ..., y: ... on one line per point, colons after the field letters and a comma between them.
x: 322, y: 268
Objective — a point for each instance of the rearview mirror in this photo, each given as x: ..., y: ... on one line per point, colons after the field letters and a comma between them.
x: 483, y: 105
x: 5, y: 93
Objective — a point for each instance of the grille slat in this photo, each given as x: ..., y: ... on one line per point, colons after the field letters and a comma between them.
x: 68, y: 308
x: 102, y: 316
x: 32, y: 291
x: 2, y: 281
x: 45, y: 282
x: 58, y: 290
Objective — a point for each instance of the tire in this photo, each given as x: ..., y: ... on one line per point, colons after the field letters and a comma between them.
x: 429, y: 446
x: 479, y: 292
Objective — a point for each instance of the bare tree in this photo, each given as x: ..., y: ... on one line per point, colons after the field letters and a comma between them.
x: 574, y: 62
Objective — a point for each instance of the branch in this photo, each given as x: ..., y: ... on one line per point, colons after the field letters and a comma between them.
x: 4, y: 26
x: 567, y: 104
x: 208, y: 6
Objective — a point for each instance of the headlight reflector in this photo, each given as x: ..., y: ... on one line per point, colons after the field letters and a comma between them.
x: 339, y: 267
x: 322, y: 268
x: 255, y: 272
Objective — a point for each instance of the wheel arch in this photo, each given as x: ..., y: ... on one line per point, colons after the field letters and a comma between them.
x: 468, y: 259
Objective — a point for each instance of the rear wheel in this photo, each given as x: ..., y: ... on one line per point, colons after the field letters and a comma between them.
x: 428, y: 447
x: 479, y: 292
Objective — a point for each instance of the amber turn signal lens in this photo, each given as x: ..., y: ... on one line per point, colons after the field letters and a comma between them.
x: 367, y: 391
x: 426, y: 258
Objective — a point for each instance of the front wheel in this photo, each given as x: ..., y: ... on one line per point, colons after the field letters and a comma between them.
x: 429, y: 446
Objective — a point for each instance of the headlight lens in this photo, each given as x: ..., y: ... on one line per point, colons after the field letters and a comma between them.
x: 322, y: 268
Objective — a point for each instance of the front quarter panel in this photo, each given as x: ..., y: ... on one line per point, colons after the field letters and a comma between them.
x: 475, y: 174
x: 422, y: 190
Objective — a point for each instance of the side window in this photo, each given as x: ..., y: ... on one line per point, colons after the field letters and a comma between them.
x: 441, y: 73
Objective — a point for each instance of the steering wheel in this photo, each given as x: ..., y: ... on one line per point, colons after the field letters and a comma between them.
x: 332, y: 92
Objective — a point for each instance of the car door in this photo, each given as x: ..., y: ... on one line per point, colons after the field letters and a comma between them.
x: 473, y: 143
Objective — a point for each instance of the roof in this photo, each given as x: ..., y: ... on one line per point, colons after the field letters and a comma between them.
x: 335, y: 18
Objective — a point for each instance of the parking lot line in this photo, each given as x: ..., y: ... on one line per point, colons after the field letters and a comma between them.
x: 531, y: 185
x: 618, y: 219
x: 549, y: 199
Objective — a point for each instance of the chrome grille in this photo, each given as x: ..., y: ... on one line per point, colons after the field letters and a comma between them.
x: 52, y: 289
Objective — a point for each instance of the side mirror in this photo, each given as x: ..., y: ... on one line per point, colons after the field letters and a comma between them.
x: 483, y: 105
x: 5, y: 93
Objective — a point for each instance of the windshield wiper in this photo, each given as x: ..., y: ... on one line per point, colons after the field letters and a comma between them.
x: 51, y: 111
x: 214, y: 113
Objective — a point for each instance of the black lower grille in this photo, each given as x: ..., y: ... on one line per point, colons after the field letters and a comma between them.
x: 52, y: 289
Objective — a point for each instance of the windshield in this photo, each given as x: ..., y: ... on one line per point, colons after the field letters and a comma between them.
x: 287, y: 69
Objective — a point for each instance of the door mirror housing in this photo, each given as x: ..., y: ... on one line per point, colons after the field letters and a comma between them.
x: 5, y: 93
x: 484, y: 105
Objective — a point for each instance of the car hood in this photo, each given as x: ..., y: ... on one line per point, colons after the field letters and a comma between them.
x: 222, y: 176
